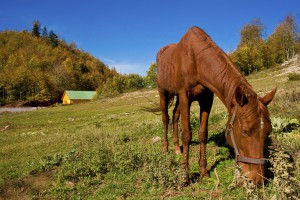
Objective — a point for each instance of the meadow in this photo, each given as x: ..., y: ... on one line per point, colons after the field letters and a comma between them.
x: 106, y: 149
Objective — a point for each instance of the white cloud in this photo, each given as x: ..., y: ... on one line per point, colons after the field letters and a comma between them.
x: 126, y: 67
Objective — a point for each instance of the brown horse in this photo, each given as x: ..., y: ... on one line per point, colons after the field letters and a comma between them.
x: 197, y: 60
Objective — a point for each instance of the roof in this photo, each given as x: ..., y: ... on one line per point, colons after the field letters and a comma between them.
x: 80, y: 94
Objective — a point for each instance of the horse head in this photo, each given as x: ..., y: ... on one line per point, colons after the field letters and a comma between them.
x: 248, y: 129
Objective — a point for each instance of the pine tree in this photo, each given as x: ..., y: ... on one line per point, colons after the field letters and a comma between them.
x: 53, y: 39
x: 45, y: 32
x: 36, y: 28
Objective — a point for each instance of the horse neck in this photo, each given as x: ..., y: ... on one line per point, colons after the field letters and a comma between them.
x: 223, y: 82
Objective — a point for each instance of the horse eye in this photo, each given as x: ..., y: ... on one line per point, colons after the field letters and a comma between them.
x: 244, y: 131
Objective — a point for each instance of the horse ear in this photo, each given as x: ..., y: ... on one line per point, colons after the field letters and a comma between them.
x: 269, y: 97
x: 239, y: 97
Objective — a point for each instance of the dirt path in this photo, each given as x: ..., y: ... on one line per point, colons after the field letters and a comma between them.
x: 291, y: 66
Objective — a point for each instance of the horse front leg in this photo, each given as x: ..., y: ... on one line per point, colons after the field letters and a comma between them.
x: 186, y: 130
x: 176, y: 115
x: 164, y: 102
x: 203, y: 132
x: 203, y: 141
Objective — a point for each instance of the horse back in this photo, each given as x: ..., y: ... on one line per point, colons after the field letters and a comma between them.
x: 166, y: 69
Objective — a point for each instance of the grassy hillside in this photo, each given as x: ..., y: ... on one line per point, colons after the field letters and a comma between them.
x: 105, y: 149
x: 34, y: 71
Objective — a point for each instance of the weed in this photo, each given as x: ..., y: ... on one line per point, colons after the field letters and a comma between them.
x: 279, y: 123
x: 161, y: 170
x: 284, y: 183
x: 98, y: 124
x: 48, y: 162
x: 287, y: 104
x: 294, y: 77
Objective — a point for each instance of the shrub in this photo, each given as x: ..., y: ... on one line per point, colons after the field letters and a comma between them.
x: 160, y: 170
x: 284, y: 183
x: 48, y: 162
x: 278, y: 124
x: 282, y: 124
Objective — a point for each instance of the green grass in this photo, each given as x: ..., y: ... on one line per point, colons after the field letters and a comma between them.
x: 104, y: 149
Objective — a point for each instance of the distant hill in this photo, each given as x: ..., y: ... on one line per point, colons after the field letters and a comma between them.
x: 34, y: 70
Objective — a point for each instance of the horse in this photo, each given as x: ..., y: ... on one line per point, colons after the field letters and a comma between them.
x: 196, y: 61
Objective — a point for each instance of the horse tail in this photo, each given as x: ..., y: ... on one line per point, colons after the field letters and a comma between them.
x: 156, y: 108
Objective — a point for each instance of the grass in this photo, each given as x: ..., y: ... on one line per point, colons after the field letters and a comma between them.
x: 104, y: 150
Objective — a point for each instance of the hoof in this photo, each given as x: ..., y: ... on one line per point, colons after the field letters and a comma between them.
x: 184, y: 181
x: 165, y: 150
x: 183, y: 177
x: 177, y: 149
x: 204, y: 175
x: 178, y: 152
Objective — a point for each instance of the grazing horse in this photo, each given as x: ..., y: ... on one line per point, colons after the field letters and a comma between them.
x: 196, y: 61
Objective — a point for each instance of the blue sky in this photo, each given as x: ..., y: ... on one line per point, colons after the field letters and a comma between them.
x: 126, y: 34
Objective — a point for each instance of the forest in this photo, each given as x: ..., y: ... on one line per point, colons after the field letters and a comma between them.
x: 37, y: 66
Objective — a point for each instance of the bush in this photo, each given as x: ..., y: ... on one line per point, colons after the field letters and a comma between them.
x: 284, y: 183
x: 160, y: 170
x: 120, y: 84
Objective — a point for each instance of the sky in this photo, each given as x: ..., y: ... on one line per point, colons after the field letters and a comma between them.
x: 127, y: 34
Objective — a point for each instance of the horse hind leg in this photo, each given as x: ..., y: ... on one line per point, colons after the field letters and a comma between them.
x: 176, y: 115
x: 164, y: 102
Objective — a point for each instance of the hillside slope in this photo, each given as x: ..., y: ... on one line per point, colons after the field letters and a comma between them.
x: 105, y: 149
x: 33, y: 70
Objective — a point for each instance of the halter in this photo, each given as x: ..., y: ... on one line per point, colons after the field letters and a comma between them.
x: 238, y: 156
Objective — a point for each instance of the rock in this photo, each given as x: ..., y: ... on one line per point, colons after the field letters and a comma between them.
x: 156, y: 139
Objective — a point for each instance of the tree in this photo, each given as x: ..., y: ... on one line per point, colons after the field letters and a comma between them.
x: 53, y: 39
x: 36, y: 28
x: 134, y: 82
x: 283, y: 40
x: 251, y: 34
x: 112, y: 87
x: 150, y: 79
x: 45, y: 32
x: 249, y: 55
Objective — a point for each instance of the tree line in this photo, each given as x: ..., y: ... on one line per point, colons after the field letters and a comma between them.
x: 254, y: 52
x: 37, y: 66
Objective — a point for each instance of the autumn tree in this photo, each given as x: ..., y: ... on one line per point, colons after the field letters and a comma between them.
x: 283, y: 41
x: 251, y: 34
x: 249, y: 54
